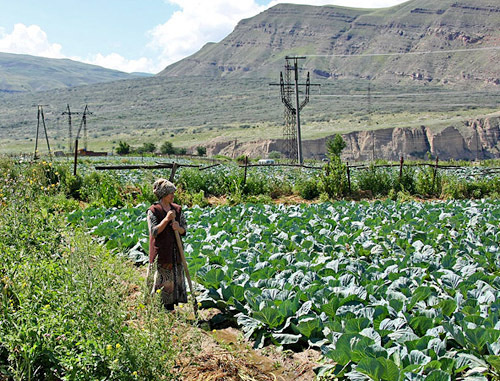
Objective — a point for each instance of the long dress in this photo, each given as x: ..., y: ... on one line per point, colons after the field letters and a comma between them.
x: 169, y: 272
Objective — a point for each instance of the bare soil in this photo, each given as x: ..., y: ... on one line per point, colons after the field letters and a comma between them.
x: 224, y: 354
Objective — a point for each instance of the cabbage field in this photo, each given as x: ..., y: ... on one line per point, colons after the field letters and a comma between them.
x: 386, y: 290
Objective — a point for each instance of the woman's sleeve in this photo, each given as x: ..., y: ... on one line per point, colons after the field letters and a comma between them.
x: 152, y: 224
x: 183, y: 223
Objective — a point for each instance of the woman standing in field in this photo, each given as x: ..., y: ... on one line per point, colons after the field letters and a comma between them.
x: 164, y: 218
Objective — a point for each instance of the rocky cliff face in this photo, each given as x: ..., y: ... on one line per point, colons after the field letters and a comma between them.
x: 480, y: 141
x: 328, y: 35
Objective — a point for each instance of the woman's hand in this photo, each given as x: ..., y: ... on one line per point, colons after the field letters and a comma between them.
x: 175, y: 225
x: 171, y: 215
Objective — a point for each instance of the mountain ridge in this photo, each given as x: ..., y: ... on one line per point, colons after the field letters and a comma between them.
x: 223, y: 89
x: 328, y: 35
x: 27, y: 73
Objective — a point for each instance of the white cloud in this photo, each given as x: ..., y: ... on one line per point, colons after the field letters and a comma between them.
x: 33, y: 40
x: 196, y: 23
x: 117, y: 62
x: 29, y: 40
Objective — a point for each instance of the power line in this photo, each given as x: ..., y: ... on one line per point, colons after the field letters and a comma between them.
x: 405, y: 53
x: 403, y: 95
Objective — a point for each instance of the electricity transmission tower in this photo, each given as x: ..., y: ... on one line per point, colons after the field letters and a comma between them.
x: 42, y: 116
x: 289, y: 95
x: 83, y: 122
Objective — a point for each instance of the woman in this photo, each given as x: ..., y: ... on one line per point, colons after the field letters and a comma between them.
x: 164, y: 218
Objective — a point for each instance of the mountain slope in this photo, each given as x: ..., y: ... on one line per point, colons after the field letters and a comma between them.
x: 223, y: 93
x: 21, y: 73
x: 344, y: 42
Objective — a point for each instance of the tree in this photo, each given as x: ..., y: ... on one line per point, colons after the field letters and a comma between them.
x: 167, y: 148
x: 274, y: 155
x: 146, y: 147
x: 202, y: 151
x: 335, y: 146
x: 333, y: 181
x: 123, y: 148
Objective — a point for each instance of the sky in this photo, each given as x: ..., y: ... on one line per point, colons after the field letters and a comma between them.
x: 130, y: 35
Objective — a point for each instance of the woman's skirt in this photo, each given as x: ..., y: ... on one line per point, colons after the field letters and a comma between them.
x: 170, y: 280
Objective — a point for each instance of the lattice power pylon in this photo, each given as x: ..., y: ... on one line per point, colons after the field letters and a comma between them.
x: 289, y: 129
x: 289, y: 90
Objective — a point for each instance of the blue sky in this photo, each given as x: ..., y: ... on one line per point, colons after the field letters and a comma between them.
x: 130, y: 35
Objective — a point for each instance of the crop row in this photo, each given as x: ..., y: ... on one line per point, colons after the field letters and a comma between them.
x: 386, y: 290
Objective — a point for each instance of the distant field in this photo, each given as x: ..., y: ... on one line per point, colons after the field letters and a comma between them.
x: 191, y: 112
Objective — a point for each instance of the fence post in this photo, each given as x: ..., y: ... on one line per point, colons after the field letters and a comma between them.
x: 76, y: 157
x: 434, y: 174
x: 401, y: 161
x: 172, y: 174
x: 348, y: 177
x: 245, y: 176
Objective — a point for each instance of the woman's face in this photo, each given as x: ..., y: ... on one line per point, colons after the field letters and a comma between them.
x: 169, y: 198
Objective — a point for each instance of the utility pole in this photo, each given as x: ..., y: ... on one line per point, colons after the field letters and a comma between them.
x: 42, y: 116
x: 70, y: 137
x: 298, y: 107
x: 84, y: 120
x: 82, y: 123
x: 292, y: 129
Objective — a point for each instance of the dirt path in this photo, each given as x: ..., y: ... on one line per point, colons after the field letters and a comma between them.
x: 226, y: 355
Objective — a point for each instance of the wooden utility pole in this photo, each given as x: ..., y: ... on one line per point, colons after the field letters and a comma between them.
x: 82, y: 123
x: 42, y: 116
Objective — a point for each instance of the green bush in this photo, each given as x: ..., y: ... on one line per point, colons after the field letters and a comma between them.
x: 453, y: 188
x: 101, y: 189
x: 429, y: 182
x: 376, y: 180
x: 333, y: 180
x: 407, y: 182
x: 307, y: 188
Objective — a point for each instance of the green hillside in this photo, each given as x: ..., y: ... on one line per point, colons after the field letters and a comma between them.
x: 440, y: 68
x: 344, y: 42
x: 24, y: 73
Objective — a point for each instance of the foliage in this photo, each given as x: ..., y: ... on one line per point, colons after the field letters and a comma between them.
x: 335, y: 145
x: 201, y: 151
x: 456, y: 188
x: 65, y: 308
x: 307, y: 188
x: 167, y: 148
x: 123, y: 148
x: 274, y: 155
x: 429, y: 182
x: 146, y: 148
x: 333, y: 180
x: 377, y: 180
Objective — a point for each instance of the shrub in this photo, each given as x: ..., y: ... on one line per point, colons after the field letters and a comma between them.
x: 146, y: 148
x: 376, y: 180
x: 123, y: 148
x: 429, y: 182
x: 201, y: 151
x: 406, y: 182
x: 307, y: 188
x: 333, y: 180
x: 274, y: 155
x: 167, y: 148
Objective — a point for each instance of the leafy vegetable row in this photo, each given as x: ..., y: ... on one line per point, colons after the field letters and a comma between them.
x: 386, y: 290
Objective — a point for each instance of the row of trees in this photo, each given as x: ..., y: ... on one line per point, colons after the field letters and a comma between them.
x: 166, y: 148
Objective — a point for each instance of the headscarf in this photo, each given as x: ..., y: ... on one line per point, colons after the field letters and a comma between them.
x: 163, y: 187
